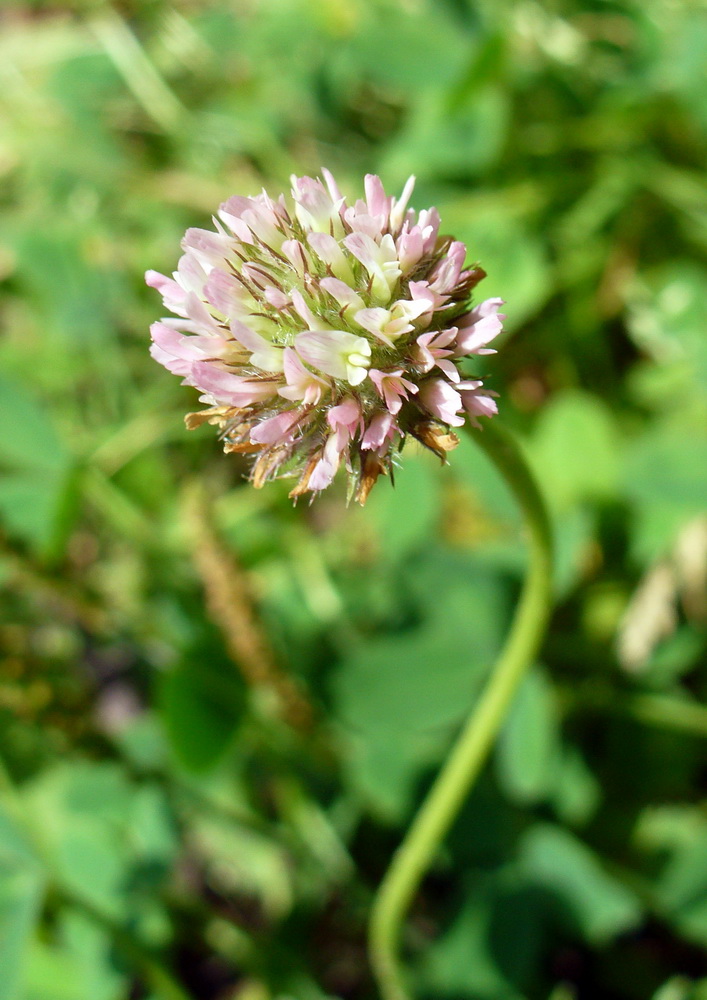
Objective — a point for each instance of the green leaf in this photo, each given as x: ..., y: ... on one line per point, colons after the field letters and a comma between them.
x: 677, y: 834
x: 405, y: 517
x: 200, y: 704
x: 423, y: 36
x: 472, y: 467
x: 79, y: 810
x: 142, y: 743
x: 682, y: 988
x: 53, y: 974
x: 574, y: 531
x: 400, y: 695
x: 105, y: 840
x: 575, y: 449
x: 514, y: 258
x: 492, y: 949
x: 667, y: 318
x: 20, y: 900
x: 528, y: 751
x: 682, y: 888
x: 665, y: 478
x: 76, y: 297
x: 77, y: 963
x: 675, y: 656
x: 576, y: 792
x: 21, y: 892
x: 442, y: 141
x: 38, y: 482
x: 598, y: 905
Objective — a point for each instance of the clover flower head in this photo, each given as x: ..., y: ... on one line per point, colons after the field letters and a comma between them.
x: 321, y: 336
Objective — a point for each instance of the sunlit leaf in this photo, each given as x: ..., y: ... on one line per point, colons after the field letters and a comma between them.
x: 599, y: 906
x: 528, y: 753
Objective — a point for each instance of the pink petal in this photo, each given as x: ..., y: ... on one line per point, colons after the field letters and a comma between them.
x: 397, y: 212
x: 421, y: 290
x: 264, y: 355
x: 378, y: 203
x: 364, y: 249
x: 442, y: 401
x: 173, y: 295
x: 361, y: 222
x: 209, y: 247
x: 229, y: 389
x: 277, y: 298
x: 346, y: 414
x: 275, y: 429
x: 223, y: 291
x: 322, y: 475
x: 303, y: 310
x: 174, y: 365
x: 486, y: 308
x: 410, y: 246
x: 294, y: 251
x: 380, y: 429
x: 332, y: 186
x: 372, y: 320
x: 449, y: 369
x: 327, y: 350
x: 473, y: 339
x: 341, y: 292
x: 301, y: 383
x: 429, y: 222
x: 173, y: 350
x: 163, y: 284
x: 446, y: 274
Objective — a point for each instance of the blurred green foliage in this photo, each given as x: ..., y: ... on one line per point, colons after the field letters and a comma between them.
x: 164, y: 832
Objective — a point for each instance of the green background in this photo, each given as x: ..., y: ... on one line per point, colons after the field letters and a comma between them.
x: 170, y: 824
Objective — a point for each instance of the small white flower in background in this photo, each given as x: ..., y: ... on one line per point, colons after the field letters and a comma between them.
x: 323, y: 337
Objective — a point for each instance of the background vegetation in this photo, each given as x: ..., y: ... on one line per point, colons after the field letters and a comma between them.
x: 217, y: 712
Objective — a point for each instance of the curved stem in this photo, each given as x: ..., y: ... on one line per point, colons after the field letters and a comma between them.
x: 413, y: 857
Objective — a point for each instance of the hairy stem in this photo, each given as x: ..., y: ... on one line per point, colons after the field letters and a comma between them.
x: 417, y: 851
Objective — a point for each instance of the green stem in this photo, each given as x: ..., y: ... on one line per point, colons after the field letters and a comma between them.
x: 413, y: 857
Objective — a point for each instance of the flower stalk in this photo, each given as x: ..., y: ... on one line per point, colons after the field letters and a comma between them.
x: 320, y: 337
x: 462, y: 767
